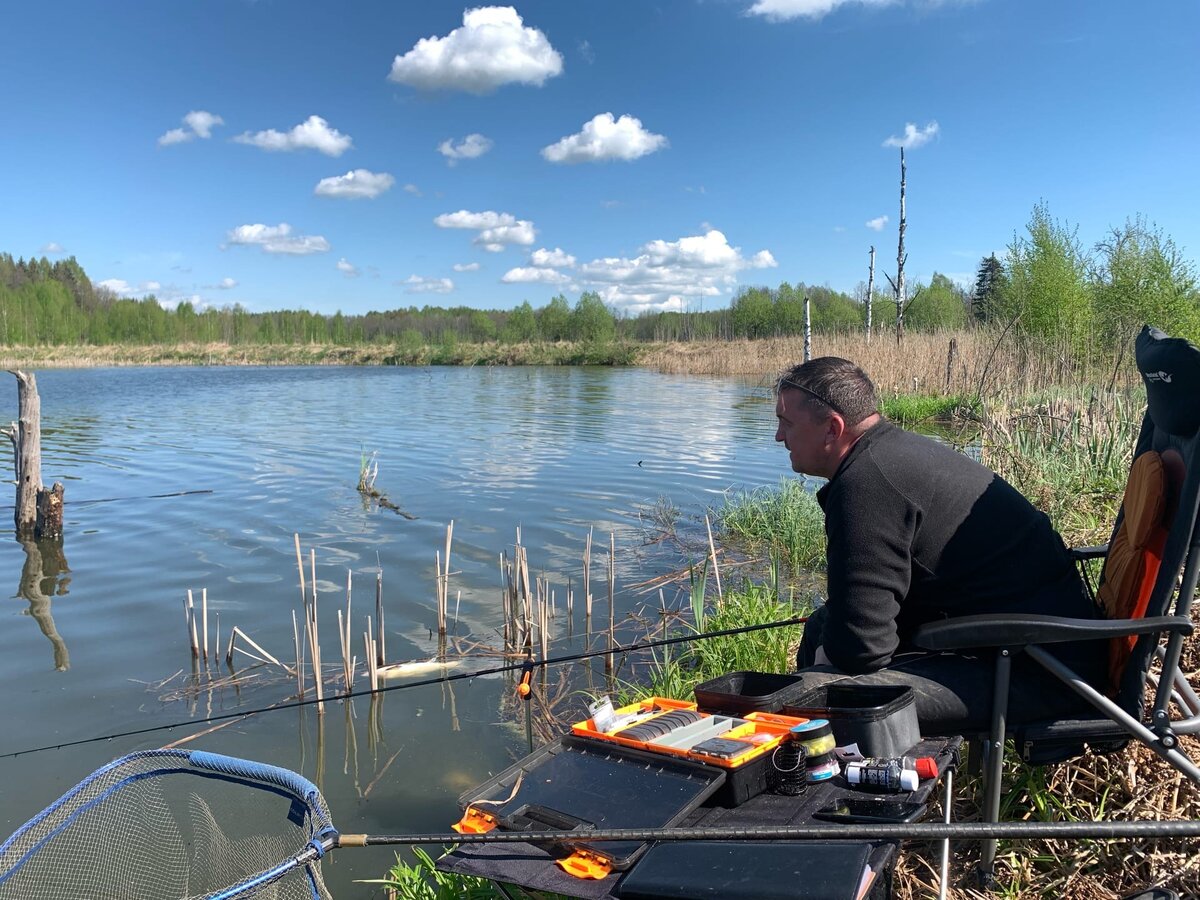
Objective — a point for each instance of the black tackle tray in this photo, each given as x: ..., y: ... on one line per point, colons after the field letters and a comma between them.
x: 880, y: 718
x: 593, y: 785
x: 739, y: 693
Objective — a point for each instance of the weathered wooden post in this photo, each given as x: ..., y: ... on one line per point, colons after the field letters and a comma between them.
x: 39, y: 513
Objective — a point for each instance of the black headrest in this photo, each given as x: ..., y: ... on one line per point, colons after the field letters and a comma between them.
x: 1170, y: 368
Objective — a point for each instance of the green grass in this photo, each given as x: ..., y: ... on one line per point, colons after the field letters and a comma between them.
x: 785, y: 523
x: 676, y: 672
x: 419, y: 880
x: 1071, y: 458
x: 914, y: 409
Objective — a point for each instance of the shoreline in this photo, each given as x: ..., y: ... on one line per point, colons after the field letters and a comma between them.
x: 924, y: 355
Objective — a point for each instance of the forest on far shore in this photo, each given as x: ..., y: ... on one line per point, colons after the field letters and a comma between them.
x: 1048, y: 285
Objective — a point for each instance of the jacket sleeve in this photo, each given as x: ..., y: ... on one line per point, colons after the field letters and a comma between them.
x: 870, y: 528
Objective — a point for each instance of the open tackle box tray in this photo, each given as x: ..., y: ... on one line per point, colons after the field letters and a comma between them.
x: 743, y: 747
x: 577, y: 784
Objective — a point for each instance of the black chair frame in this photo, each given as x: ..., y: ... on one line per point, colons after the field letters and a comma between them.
x: 1171, y: 370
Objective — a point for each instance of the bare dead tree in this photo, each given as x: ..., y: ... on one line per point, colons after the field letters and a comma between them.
x: 807, y: 329
x: 901, y: 257
x: 39, y: 512
x: 870, y: 292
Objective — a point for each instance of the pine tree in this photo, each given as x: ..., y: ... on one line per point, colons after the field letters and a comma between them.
x: 988, y: 285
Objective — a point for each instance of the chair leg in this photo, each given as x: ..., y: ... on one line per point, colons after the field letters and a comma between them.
x: 994, y: 766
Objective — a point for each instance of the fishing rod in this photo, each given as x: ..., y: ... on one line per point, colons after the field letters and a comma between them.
x: 970, y: 831
x: 526, y: 665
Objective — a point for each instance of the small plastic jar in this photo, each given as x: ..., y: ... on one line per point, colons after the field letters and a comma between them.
x: 815, y: 735
x: 822, y: 767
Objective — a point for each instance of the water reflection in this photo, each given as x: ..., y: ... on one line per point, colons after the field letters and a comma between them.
x: 45, y: 575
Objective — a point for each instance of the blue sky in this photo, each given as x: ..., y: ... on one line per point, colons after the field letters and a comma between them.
x: 366, y: 156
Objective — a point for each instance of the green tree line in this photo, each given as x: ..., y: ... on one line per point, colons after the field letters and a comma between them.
x: 1049, y: 286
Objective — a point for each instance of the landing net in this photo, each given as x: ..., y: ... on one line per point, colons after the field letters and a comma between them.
x: 174, y: 824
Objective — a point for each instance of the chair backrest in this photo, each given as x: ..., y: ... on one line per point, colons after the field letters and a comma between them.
x: 1135, y: 550
x: 1155, y: 537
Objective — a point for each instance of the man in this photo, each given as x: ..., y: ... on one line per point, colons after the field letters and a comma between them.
x: 919, y: 532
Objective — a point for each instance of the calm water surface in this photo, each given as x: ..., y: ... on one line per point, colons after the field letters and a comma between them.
x: 554, y: 451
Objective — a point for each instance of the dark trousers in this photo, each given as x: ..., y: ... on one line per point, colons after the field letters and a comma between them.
x: 953, y: 691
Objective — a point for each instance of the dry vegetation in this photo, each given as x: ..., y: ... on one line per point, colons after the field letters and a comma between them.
x: 984, y: 361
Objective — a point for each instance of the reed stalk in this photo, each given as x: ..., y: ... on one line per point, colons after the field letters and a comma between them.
x: 712, y: 549
x: 300, y: 569
x: 249, y: 640
x: 612, y: 584
x: 587, y: 575
x: 192, y: 617
x: 204, y: 619
x: 299, y: 657
x: 314, y: 638
x: 381, y: 658
x: 439, y: 587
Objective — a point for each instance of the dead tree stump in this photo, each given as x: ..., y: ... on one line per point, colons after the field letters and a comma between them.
x: 39, y: 513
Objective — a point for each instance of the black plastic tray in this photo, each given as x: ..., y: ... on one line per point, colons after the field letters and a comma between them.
x: 597, y: 785
x: 880, y: 718
x: 739, y: 693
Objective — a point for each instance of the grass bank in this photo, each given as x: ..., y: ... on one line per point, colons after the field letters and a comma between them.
x: 564, y: 353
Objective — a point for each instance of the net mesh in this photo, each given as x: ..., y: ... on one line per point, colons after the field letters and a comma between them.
x: 173, y: 824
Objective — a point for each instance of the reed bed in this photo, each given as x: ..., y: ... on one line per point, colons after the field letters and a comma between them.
x: 975, y: 362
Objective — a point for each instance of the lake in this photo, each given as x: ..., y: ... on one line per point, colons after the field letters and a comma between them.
x: 266, y: 453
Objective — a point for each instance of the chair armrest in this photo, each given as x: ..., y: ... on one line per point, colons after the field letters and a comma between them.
x: 1080, y: 554
x: 1018, y: 630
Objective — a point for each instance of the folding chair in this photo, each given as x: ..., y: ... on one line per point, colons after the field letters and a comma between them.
x: 1146, y: 601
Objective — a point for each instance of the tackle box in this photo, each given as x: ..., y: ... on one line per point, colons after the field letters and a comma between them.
x: 578, y: 785
x: 742, y: 747
x: 880, y: 718
x: 746, y: 692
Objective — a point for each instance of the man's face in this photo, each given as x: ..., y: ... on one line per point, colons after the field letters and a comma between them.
x: 804, y: 434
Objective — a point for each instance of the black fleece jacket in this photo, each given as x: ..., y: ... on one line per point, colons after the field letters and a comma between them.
x: 916, y: 532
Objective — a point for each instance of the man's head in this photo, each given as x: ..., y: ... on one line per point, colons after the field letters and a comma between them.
x: 823, y: 406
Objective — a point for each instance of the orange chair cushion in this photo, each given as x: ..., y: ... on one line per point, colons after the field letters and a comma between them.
x: 1135, y: 552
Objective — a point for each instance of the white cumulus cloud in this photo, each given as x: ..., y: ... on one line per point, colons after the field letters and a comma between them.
x: 314, y: 133
x: 466, y: 267
x: 227, y: 284
x: 199, y: 124
x: 783, y: 10
x: 877, y: 223
x: 913, y: 136
x: 556, y: 258
x: 532, y: 275
x: 605, y: 138
x: 417, y: 284
x: 412, y: 189
x: 470, y: 147
x: 118, y: 286
x: 355, y: 184
x: 347, y: 268
x: 497, y: 230
x: 53, y: 248
x: 666, y: 275
x: 202, y: 122
x: 277, y: 239
x: 492, y: 48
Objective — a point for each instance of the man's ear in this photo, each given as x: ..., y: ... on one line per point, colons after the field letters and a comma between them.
x: 835, y: 429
